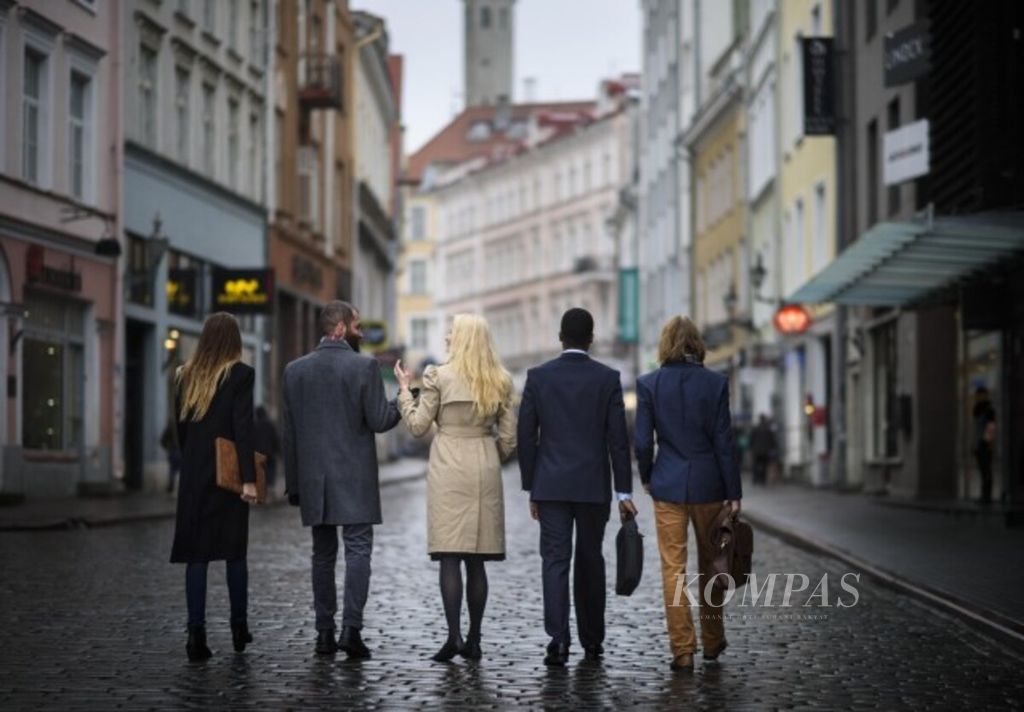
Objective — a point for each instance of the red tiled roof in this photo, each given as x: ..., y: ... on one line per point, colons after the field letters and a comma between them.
x: 452, y: 144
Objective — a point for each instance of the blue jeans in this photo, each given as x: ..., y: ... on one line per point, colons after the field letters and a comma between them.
x: 195, y: 591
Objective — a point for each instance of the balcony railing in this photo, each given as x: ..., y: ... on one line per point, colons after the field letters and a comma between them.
x: 320, y: 81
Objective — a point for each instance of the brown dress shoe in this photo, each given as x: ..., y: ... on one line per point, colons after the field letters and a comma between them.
x: 713, y: 653
x: 683, y: 662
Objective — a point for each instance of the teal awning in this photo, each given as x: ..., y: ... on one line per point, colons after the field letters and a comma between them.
x: 895, y: 264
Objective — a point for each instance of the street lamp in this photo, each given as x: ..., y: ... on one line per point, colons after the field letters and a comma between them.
x: 729, y: 300
x: 758, y: 273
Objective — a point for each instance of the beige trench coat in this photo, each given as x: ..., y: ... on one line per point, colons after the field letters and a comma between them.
x: 465, y: 501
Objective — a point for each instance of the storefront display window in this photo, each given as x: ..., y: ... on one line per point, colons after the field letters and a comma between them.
x: 53, y: 374
x: 884, y: 418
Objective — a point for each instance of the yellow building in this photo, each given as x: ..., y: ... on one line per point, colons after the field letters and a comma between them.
x: 418, y: 327
x: 720, y: 217
x: 807, y: 195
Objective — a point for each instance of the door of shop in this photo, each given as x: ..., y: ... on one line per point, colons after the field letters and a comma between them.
x: 136, y: 336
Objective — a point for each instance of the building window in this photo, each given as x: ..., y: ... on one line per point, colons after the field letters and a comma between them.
x: 182, y: 100
x: 233, y: 143
x: 255, y: 44
x: 872, y: 158
x: 479, y: 131
x: 419, y: 333
x: 33, y: 115
x: 210, y: 16
x: 798, y: 89
x: 884, y: 399
x: 418, y: 223
x: 147, y: 96
x: 417, y: 277
x: 255, y: 157
x: 870, y: 19
x: 820, y: 231
x: 53, y: 374
x: 485, y: 17
x: 893, y: 124
x: 209, y: 129
x: 80, y: 136
x: 308, y: 198
x: 233, y: 24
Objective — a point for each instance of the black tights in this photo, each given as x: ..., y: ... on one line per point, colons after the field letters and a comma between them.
x: 451, y: 594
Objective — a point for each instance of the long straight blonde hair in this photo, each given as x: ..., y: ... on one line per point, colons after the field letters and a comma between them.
x: 220, y: 348
x: 473, y: 355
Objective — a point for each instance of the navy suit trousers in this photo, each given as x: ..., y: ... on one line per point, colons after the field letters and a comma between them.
x: 556, y: 549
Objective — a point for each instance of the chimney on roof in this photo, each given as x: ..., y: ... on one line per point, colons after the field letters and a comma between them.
x: 502, y: 113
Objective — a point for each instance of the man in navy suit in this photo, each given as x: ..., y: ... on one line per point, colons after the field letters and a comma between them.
x: 572, y: 437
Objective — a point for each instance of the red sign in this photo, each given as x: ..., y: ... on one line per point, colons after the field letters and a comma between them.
x: 792, y: 319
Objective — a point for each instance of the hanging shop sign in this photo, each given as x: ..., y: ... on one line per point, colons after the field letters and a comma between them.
x: 629, y: 293
x: 243, y: 291
x: 791, y: 320
x: 906, y: 54
x: 375, y: 336
x: 819, y: 86
x: 905, y: 153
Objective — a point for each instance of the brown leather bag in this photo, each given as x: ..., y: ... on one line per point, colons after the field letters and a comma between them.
x: 229, y: 475
x: 732, y: 544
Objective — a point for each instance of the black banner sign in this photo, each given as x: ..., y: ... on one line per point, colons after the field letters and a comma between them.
x: 243, y: 291
x: 906, y: 54
x: 819, y: 86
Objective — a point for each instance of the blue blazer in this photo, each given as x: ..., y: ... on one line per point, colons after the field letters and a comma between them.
x: 571, y: 422
x: 688, y: 407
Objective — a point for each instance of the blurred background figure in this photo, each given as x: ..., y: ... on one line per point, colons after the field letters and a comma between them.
x: 763, y: 448
x: 985, y: 438
x: 267, y: 441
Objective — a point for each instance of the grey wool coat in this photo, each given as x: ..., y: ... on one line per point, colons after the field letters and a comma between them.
x: 334, y: 402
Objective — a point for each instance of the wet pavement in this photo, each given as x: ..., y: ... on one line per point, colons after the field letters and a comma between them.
x: 95, y: 619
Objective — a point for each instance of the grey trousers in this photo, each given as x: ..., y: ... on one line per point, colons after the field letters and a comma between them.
x: 358, y: 540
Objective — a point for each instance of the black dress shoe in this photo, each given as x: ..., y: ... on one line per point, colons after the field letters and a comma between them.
x: 196, y: 645
x: 558, y: 655
x: 471, y: 650
x: 593, y: 653
x: 352, y: 643
x: 240, y: 636
x: 451, y: 648
x: 325, y: 643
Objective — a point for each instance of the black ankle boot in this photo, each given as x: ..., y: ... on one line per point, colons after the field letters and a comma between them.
x: 196, y: 645
x: 449, y: 650
x: 352, y: 643
x: 240, y: 636
x: 471, y: 650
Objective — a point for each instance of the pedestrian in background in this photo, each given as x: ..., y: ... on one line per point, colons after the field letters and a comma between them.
x: 984, y: 439
x: 763, y: 448
x: 169, y: 442
x: 334, y: 404
x: 691, y: 476
x: 572, y: 437
x: 267, y: 441
x: 214, y: 400
x: 470, y: 399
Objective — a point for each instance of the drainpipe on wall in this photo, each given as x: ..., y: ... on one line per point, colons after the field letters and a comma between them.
x: 117, y: 91
x: 838, y: 395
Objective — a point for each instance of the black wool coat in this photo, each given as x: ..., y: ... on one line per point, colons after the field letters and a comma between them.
x: 212, y: 523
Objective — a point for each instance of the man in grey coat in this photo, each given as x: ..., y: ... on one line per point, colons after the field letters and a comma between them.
x: 334, y: 402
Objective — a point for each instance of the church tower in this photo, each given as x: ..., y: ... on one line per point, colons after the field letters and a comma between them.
x: 488, y: 60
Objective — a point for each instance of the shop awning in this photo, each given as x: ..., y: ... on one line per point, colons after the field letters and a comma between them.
x: 896, y: 264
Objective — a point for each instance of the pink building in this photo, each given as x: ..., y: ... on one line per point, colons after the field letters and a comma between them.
x: 59, y: 218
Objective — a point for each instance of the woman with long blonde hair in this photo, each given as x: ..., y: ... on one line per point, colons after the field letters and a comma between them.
x: 470, y: 399
x: 213, y: 398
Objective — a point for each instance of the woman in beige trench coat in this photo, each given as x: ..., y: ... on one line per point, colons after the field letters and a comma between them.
x: 470, y: 399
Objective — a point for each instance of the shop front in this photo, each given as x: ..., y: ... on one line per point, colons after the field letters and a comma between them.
x: 56, y: 351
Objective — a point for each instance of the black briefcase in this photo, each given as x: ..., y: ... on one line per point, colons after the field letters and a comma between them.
x: 629, y: 552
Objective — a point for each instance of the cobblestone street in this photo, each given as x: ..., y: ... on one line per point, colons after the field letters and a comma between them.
x: 95, y: 619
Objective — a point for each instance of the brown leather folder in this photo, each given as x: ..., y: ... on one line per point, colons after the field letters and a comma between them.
x: 229, y: 476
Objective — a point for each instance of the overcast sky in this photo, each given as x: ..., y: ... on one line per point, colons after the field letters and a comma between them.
x: 566, y: 45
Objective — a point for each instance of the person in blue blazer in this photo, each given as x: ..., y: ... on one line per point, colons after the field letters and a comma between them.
x: 572, y: 437
x: 691, y: 476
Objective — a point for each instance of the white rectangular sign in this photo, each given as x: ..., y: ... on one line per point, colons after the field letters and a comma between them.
x: 905, y: 153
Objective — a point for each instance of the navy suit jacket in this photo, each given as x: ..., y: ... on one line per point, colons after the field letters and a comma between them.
x: 572, y: 421
x: 688, y: 407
